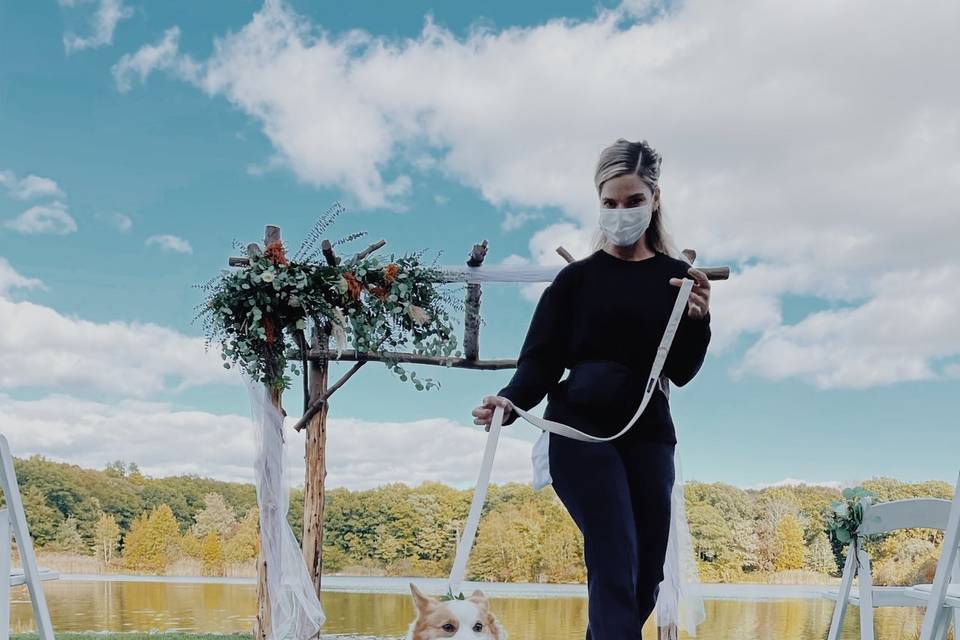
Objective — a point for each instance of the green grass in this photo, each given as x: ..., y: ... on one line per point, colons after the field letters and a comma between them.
x: 163, y: 635
x: 137, y: 636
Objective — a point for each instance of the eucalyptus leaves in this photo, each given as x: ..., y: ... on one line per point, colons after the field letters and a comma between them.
x: 845, y: 516
x: 450, y: 595
x: 260, y: 311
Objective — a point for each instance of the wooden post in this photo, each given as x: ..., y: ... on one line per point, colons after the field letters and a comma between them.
x: 471, y: 320
x: 261, y: 628
x: 315, y: 449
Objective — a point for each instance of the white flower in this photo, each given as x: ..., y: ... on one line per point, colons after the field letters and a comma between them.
x: 339, y: 335
x: 267, y: 276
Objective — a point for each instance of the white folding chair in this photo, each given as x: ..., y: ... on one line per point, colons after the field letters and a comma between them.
x: 943, y: 596
x: 13, y: 520
x: 918, y: 513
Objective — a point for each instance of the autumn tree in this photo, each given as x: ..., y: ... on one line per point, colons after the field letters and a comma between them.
x: 819, y: 556
x: 244, y: 544
x: 106, y: 538
x: 152, y: 542
x: 216, y: 517
x: 788, y: 544
x: 211, y: 554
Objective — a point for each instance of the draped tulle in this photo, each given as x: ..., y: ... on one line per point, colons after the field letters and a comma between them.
x: 295, y: 610
x: 680, y: 603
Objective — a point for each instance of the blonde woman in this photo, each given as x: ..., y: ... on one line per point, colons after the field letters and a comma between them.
x: 602, y: 317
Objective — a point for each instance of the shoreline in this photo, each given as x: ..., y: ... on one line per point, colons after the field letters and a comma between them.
x: 400, y: 586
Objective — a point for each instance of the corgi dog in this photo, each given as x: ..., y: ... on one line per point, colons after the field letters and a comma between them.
x: 468, y: 619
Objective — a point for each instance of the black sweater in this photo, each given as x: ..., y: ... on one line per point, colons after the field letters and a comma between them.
x: 606, y: 308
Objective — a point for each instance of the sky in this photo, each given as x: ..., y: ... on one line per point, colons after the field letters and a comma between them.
x: 814, y: 148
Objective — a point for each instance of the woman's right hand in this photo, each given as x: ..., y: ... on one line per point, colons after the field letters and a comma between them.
x: 484, y: 413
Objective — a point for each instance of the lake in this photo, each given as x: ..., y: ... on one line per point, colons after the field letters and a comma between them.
x: 381, y: 607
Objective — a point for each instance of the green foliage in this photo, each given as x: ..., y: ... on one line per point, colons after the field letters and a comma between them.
x: 68, y: 538
x: 450, y: 595
x: 400, y: 530
x: 42, y: 519
x: 846, y: 515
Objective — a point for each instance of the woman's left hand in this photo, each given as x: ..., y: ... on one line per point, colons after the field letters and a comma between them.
x: 698, y: 304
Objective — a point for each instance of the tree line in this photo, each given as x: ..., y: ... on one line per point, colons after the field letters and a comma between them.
x: 132, y: 522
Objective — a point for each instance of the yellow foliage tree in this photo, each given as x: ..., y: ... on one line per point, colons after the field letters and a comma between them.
x: 244, y: 544
x: 212, y: 555
x: 152, y: 542
x: 191, y: 545
x: 788, y: 544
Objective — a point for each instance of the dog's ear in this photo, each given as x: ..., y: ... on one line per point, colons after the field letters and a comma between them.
x: 421, y: 601
x: 479, y: 598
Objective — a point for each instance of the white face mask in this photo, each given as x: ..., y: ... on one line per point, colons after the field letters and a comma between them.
x: 623, y: 227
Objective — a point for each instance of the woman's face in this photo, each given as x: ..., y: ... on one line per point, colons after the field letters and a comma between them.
x: 627, y: 190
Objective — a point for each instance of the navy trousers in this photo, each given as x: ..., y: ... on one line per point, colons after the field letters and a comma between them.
x: 618, y: 493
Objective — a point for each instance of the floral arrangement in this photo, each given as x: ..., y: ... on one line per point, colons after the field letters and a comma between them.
x: 260, y: 311
x: 845, y: 516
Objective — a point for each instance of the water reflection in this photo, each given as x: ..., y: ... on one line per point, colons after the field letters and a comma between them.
x: 157, y: 606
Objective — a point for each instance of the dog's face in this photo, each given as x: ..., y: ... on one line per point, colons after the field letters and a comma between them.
x: 468, y: 619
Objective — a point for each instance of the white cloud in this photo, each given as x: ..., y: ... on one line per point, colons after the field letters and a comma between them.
x: 170, y: 243
x: 44, y: 349
x: 908, y: 323
x: 10, y: 279
x: 440, y: 199
x: 788, y: 150
x: 150, y: 58
x: 29, y: 187
x: 103, y: 23
x: 514, y: 220
x: 120, y: 221
x: 163, y: 440
x: 44, y: 218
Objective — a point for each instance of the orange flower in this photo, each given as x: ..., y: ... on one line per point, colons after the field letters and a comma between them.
x: 354, y: 287
x: 390, y: 272
x: 380, y: 292
x: 276, y: 253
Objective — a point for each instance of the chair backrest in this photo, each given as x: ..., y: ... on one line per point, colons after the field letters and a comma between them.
x: 914, y: 513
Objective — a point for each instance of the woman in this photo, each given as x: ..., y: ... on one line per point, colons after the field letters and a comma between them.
x: 603, y: 318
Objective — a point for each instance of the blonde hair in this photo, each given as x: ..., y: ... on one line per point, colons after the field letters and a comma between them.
x: 625, y: 157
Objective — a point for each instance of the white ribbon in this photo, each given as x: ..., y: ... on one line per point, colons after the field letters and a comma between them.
x: 679, y: 565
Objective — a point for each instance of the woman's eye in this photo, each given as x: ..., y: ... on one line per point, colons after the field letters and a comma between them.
x: 477, y: 628
x: 449, y: 628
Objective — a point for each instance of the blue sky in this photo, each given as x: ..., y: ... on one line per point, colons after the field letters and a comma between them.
x: 138, y: 140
